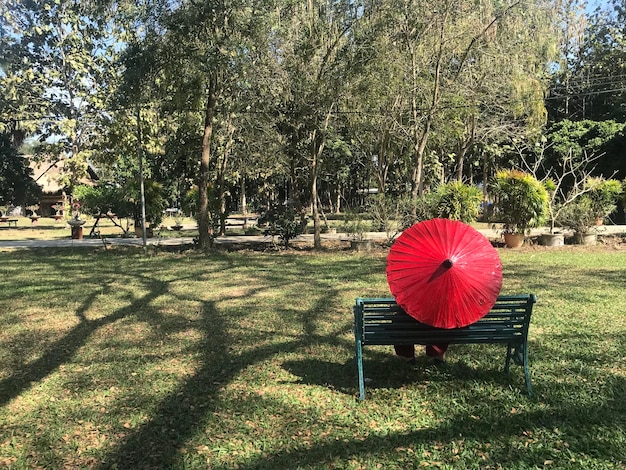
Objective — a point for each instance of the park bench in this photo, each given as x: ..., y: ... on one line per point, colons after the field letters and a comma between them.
x: 9, y: 221
x: 380, y: 321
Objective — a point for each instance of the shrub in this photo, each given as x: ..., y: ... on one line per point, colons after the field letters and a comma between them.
x: 579, y: 215
x: 415, y: 210
x: 354, y: 225
x: 521, y: 201
x: 284, y: 221
x: 103, y: 199
x: 603, y: 195
x: 458, y: 201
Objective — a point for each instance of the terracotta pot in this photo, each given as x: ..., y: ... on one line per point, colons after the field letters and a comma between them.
x: 514, y: 240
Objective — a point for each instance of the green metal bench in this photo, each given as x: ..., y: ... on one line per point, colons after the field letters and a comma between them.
x: 380, y: 321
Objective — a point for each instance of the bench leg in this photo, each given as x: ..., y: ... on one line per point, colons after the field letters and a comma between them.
x: 527, y: 370
x: 359, y: 365
x: 507, y: 364
x: 519, y: 355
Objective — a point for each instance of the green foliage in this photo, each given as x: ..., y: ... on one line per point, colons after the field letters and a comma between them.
x: 454, y: 200
x: 385, y: 211
x: 190, y: 202
x: 579, y: 215
x: 423, y: 207
x: 458, y: 201
x: 603, y: 194
x: 604, y: 139
x: 283, y: 220
x: 355, y: 225
x: 17, y: 186
x: 520, y: 199
x: 590, y: 82
x: 190, y: 206
x: 58, y: 73
x: 103, y: 199
x: 155, y: 203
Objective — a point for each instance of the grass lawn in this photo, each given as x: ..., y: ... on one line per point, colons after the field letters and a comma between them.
x: 116, y: 359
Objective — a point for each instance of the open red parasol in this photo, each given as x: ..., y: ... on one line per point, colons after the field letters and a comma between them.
x: 444, y: 273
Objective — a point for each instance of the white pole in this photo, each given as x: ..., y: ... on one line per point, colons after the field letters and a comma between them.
x: 141, y: 186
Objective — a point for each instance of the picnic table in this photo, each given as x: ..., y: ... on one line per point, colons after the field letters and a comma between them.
x: 8, y: 221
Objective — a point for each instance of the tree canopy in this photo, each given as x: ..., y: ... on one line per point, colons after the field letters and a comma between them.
x: 248, y: 103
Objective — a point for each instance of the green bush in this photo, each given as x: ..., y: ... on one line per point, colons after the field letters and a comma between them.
x: 95, y: 200
x: 416, y: 210
x: 521, y: 201
x: 458, y: 201
x: 155, y: 202
x: 284, y: 221
x: 354, y: 225
x: 579, y: 215
x: 603, y: 195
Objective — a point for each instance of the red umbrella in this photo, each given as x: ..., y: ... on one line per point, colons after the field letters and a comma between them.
x: 444, y: 273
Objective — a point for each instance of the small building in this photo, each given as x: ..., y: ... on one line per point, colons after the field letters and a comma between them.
x: 48, y: 176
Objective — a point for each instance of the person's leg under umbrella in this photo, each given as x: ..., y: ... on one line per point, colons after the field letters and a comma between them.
x: 437, y: 352
x: 406, y: 352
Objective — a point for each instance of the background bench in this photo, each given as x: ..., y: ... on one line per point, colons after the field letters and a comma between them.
x: 380, y: 321
x: 9, y: 221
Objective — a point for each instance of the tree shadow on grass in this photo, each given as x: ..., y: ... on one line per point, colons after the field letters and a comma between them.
x: 383, y: 370
x: 66, y: 347
x: 183, y: 412
x: 530, y: 434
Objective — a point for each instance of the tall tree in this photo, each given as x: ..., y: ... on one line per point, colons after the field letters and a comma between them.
x: 312, y: 39
x: 197, y: 55
x: 57, y: 73
x: 589, y: 83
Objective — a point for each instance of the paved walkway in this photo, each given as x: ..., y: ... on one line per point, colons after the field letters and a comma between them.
x: 231, y: 239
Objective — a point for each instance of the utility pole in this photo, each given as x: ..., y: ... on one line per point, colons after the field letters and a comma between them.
x: 141, y: 186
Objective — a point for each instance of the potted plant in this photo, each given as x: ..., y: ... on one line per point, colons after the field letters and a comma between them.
x: 355, y: 228
x: 580, y: 217
x: 604, y: 195
x: 555, y: 206
x: 521, y: 203
x: 58, y: 211
x: 178, y: 224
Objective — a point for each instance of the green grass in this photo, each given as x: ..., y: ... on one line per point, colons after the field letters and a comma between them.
x: 245, y: 360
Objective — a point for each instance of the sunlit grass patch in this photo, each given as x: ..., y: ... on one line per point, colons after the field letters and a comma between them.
x: 246, y: 359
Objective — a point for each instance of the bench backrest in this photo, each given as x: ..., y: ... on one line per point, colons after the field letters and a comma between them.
x: 382, y: 321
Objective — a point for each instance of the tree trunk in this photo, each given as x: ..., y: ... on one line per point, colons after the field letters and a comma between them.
x: 204, y: 237
x: 222, y: 197
x: 466, y: 144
